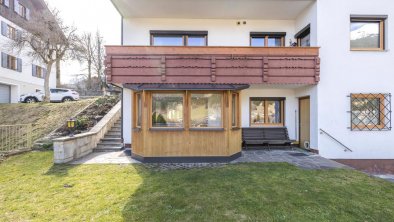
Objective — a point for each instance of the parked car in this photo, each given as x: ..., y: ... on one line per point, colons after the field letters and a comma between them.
x: 56, y: 95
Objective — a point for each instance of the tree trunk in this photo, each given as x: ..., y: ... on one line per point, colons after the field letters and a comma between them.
x: 58, y: 82
x: 89, y: 74
x: 46, y: 83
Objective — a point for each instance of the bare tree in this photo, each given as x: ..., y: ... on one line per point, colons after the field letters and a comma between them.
x: 98, y: 59
x: 47, y: 39
x: 92, y: 56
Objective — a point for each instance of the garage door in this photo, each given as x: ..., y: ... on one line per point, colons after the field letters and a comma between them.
x: 4, y: 93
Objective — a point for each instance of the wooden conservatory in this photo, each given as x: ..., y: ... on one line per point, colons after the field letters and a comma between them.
x: 186, y: 100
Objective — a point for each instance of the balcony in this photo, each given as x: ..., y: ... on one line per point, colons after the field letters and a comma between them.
x: 212, y: 65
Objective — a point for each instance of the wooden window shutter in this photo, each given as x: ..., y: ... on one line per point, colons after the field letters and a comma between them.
x: 44, y: 73
x: 27, y: 14
x: 33, y: 70
x: 16, y: 6
x: 7, y: 3
x: 4, y: 60
x: 19, y: 65
x: 3, y: 28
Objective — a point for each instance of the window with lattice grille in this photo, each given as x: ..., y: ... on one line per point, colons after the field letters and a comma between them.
x: 370, y: 112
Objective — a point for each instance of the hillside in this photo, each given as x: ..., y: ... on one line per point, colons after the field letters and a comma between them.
x: 45, y: 117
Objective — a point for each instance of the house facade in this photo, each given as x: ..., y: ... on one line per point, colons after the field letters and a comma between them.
x: 194, y: 74
x: 19, y: 73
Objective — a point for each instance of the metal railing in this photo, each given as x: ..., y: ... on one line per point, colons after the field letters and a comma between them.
x: 339, y: 142
x: 14, y: 138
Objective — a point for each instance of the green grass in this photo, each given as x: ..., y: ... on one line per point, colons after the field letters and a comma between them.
x: 32, y: 189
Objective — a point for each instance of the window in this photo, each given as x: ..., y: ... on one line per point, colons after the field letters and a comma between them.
x: 38, y: 71
x: 11, y: 62
x: 367, y: 33
x: 266, y: 111
x: 234, y: 110
x: 167, y: 110
x: 21, y: 10
x: 138, y: 110
x: 206, y: 110
x: 5, y: 3
x: 179, y: 38
x: 304, y: 37
x: 267, y: 39
x: 370, y: 111
x: 11, y: 32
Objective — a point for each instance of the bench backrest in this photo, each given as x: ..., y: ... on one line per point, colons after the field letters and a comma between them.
x: 267, y: 133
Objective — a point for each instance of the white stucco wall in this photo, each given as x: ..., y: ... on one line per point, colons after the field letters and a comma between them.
x: 127, y: 115
x: 344, y: 72
x: 21, y: 82
x: 308, y: 16
x: 221, y: 32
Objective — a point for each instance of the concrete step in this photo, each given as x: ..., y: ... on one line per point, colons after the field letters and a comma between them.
x: 114, y: 134
x: 107, y: 149
x: 111, y: 140
x: 114, y: 130
x: 109, y: 143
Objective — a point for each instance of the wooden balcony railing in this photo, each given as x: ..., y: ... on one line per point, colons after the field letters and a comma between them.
x: 232, y: 65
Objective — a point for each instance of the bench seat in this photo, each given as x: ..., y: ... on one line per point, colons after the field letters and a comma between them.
x: 265, y: 136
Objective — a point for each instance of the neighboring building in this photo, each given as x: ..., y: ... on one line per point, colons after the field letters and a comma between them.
x: 194, y: 73
x: 19, y: 74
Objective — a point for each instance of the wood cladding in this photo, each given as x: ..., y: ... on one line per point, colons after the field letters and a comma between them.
x: 221, y: 65
x: 185, y: 142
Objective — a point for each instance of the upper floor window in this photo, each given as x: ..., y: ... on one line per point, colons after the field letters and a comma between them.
x: 21, y: 10
x: 5, y: 3
x: 304, y: 37
x: 179, y: 38
x: 367, y: 32
x: 38, y: 71
x: 267, y: 39
x: 9, y: 31
x: 11, y: 62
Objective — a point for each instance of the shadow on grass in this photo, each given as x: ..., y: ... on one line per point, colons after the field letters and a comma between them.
x: 59, y: 170
x: 258, y: 192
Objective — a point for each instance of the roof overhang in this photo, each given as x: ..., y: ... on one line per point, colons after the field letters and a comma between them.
x: 169, y: 87
x: 212, y: 9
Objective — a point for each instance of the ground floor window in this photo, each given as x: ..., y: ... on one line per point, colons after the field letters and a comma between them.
x: 370, y: 111
x: 266, y: 111
x: 206, y: 110
x: 167, y: 109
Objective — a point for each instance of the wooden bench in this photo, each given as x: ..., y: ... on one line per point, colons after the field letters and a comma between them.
x: 265, y: 136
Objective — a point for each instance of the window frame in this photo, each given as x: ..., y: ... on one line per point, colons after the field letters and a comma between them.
x: 151, y: 127
x: 183, y: 34
x: 382, y: 108
x: 266, y: 100
x: 370, y: 19
x: 235, y: 115
x: 302, y: 34
x: 138, y: 113
x: 222, y: 101
x: 266, y: 36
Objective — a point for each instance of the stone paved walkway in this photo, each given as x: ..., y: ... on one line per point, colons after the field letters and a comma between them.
x: 298, y: 158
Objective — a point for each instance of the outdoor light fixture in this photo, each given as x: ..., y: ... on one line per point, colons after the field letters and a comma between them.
x: 71, y: 126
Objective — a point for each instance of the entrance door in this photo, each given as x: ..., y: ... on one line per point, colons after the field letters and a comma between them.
x: 305, y: 120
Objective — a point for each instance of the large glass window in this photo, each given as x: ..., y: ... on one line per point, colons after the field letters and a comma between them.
x: 167, y: 110
x: 206, y: 110
x: 366, y: 34
x: 266, y: 111
x: 178, y: 38
x: 304, y: 37
x: 261, y: 39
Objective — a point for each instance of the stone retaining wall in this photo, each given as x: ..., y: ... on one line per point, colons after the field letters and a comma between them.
x: 67, y: 149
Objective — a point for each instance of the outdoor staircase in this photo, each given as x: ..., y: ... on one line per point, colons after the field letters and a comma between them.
x: 112, y: 140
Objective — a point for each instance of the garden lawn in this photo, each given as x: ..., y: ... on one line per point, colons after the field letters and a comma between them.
x: 33, y: 189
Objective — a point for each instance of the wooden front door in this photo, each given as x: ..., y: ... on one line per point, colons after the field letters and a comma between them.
x: 305, y: 120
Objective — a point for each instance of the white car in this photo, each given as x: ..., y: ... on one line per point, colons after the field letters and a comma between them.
x: 56, y: 95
